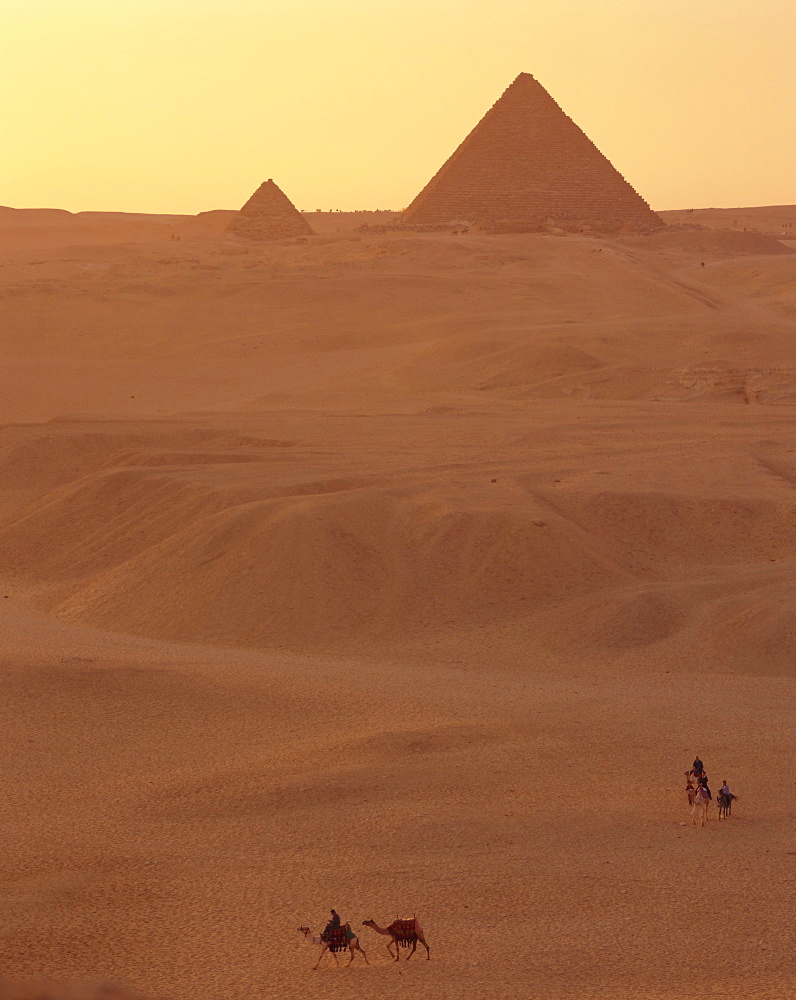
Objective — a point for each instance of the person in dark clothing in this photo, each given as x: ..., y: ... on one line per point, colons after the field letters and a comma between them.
x: 703, y: 781
x: 333, y: 925
x: 698, y: 766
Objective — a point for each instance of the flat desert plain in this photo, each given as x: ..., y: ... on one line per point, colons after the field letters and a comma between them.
x: 401, y: 574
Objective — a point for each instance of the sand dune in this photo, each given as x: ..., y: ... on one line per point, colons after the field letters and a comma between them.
x: 262, y: 545
x: 397, y: 573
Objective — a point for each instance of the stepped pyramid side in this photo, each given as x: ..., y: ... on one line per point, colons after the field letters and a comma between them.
x: 527, y: 160
x: 269, y: 215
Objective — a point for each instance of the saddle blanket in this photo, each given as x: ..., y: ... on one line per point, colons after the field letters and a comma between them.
x: 338, y: 939
x: 404, y: 930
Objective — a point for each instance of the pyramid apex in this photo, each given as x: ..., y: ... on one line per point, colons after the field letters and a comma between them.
x: 525, y: 82
x: 523, y: 79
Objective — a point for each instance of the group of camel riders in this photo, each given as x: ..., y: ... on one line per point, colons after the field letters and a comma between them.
x: 403, y: 932
x: 697, y: 774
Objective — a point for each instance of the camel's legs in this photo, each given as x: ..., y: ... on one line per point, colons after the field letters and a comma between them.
x: 414, y: 949
x: 389, y: 948
x: 422, y: 940
x: 358, y: 947
x: 323, y: 952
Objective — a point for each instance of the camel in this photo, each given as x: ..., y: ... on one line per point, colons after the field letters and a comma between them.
x: 351, y: 939
x: 401, y: 933
x: 700, y: 806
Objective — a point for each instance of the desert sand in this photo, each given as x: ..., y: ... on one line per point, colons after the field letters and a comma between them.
x: 396, y: 573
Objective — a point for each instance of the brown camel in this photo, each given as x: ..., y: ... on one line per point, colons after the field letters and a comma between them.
x: 352, y: 943
x: 401, y: 933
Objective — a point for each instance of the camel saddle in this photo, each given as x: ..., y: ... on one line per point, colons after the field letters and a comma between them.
x: 404, y: 931
x: 337, y: 939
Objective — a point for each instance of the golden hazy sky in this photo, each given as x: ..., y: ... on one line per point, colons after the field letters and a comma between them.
x: 178, y: 106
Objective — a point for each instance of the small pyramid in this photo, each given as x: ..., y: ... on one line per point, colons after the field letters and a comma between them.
x: 528, y: 161
x: 269, y: 215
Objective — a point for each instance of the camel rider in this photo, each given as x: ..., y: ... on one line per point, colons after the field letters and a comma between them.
x: 703, y: 783
x: 725, y: 790
x: 698, y: 766
x: 333, y: 925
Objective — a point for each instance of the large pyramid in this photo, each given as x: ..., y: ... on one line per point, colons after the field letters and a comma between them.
x: 269, y: 215
x: 527, y: 162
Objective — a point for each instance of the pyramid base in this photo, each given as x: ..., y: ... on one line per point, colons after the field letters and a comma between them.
x: 538, y: 224
x: 568, y: 225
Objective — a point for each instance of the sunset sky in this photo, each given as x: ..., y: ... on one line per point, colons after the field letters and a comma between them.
x: 177, y: 106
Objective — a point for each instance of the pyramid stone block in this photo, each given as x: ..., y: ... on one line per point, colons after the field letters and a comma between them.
x: 269, y: 215
x: 526, y: 161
